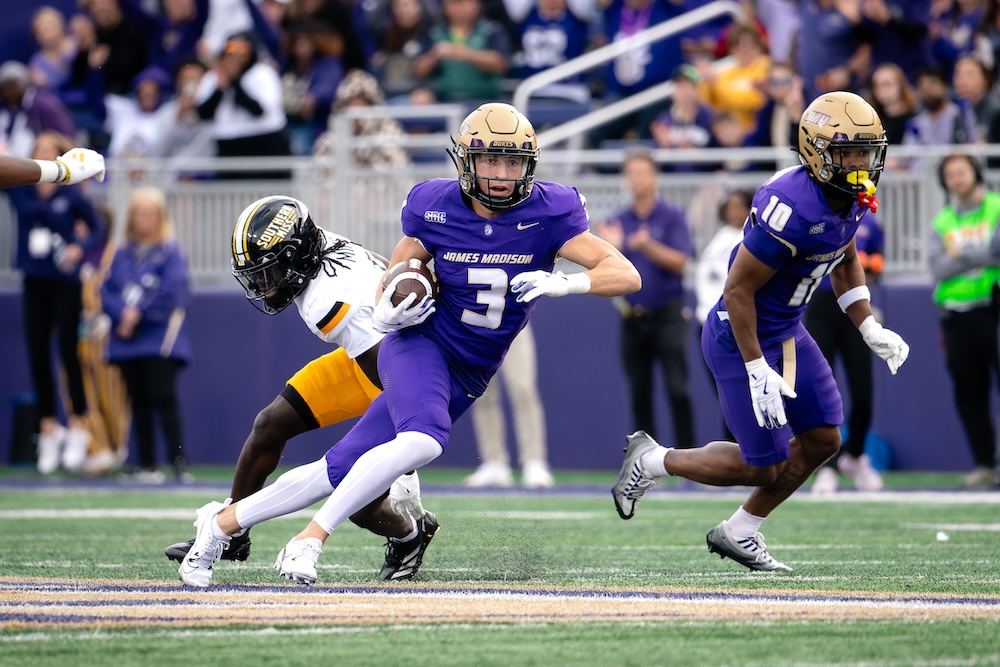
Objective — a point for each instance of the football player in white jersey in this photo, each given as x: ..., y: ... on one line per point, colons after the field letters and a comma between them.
x: 280, y: 256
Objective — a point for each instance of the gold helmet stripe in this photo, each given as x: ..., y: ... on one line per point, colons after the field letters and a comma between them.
x: 240, y: 232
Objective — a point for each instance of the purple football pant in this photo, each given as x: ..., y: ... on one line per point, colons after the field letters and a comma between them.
x: 419, y: 394
x: 818, y: 402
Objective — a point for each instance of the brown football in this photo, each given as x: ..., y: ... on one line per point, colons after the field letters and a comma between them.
x: 416, y: 277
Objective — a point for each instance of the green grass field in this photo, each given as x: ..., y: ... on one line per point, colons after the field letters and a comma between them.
x: 899, y: 579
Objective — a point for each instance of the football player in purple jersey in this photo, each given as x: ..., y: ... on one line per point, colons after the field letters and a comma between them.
x: 777, y: 391
x: 494, y: 235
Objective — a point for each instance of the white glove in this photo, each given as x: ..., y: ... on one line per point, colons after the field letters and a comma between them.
x: 79, y: 164
x: 532, y: 284
x: 388, y: 317
x: 885, y: 343
x: 766, y: 390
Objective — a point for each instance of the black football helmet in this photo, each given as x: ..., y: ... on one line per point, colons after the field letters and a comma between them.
x: 277, y: 250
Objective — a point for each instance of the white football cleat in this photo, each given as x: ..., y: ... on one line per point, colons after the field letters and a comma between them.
x: 633, y: 480
x: 749, y: 552
x: 196, y: 567
x: 297, y: 561
x: 50, y: 449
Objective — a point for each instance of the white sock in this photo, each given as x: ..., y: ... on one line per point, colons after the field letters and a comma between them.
x: 653, y: 461
x: 374, y: 472
x: 410, y: 536
x: 295, y: 490
x: 744, y: 524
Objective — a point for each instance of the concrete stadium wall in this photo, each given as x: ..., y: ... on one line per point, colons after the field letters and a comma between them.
x: 242, y: 360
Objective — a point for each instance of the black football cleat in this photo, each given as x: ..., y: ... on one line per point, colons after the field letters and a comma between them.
x: 239, y: 549
x: 403, y: 559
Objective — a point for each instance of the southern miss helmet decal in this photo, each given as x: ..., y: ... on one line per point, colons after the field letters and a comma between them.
x: 842, y: 120
x: 277, y: 250
x: 495, y: 129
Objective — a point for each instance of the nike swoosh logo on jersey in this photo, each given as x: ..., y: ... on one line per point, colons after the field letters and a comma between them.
x: 521, y: 226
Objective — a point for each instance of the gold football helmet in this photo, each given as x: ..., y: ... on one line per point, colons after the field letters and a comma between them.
x: 495, y: 129
x: 835, y: 121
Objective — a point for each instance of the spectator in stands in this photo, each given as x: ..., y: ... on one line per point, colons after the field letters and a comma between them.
x: 637, y: 69
x: 702, y: 41
x: 781, y: 21
x: 964, y: 253
x: 360, y: 89
x: 242, y: 98
x: 777, y: 122
x: 893, y: 98
x: 688, y: 122
x: 942, y: 122
x: 952, y: 30
x: 26, y: 111
x: 134, y: 122
x: 336, y: 16
x: 728, y: 132
x: 181, y: 132
x: 309, y: 82
x: 518, y: 377
x: 226, y: 18
x: 654, y: 236
x: 896, y: 32
x: 465, y: 58
x: 973, y: 82
x: 836, y: 336
x: 830, y: 54
x: 123, y: 43
x: 552, y: 32
x: 83, y: 91
x: 50, y: 65
x: 145, y: 295
x: 55, y: 227
x: 739, y: 88
x: 177, y: 31
x: 400, y: 29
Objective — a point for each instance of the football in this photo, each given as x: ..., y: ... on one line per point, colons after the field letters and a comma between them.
x: 416, y: 277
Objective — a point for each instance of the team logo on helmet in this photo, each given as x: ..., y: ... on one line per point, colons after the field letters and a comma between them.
x: 277, y: 250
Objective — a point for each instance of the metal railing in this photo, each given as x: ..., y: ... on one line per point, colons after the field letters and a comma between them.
x: 364, y: 204
x: 607, y: 53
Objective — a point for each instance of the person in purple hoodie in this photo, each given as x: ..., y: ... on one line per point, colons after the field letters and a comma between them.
x: 777, y: 390
x: 56, y: 226
x: 145, y: 295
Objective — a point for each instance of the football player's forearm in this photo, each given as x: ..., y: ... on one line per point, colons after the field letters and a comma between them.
x: 18, y: 171
x: 742, y: 311
x: 614, y: 276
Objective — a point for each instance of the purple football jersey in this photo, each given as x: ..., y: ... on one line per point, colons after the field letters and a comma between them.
x: 475, y: 259
x: 791, y: 228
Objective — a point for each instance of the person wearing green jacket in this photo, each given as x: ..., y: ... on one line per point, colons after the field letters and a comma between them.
x: 964, y: 257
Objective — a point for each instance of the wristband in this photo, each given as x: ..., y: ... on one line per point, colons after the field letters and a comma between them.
x: 860, y: 293
x: 52, y: 171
